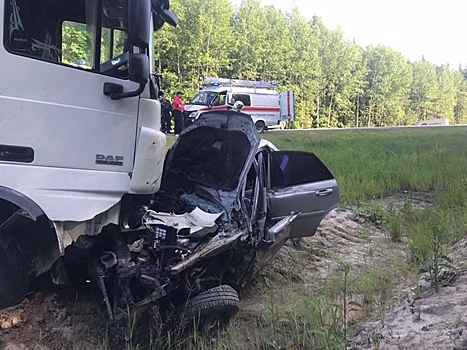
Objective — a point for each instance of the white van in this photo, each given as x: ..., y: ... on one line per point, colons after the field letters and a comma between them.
x: 261, y: 100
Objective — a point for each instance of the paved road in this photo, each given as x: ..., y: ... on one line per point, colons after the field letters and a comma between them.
x: 372, y: 128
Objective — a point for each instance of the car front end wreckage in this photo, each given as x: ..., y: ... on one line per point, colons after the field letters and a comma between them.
x: 190, y: 247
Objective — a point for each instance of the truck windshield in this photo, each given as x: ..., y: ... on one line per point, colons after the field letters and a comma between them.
x: 213, y: 98
x: 87, y: 34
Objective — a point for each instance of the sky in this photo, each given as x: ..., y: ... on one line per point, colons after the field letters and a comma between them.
x: 433, y: 29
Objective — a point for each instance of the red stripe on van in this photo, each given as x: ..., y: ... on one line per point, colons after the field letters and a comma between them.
x: 254, y: 109
x: 246, y: 108
x: 216, y: 108
x: 288, y: 103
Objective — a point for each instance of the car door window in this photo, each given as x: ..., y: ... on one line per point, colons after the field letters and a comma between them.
x: 295, y: 168
x: 300, y: 182
x: 245, y: 99
x: 220, y: 99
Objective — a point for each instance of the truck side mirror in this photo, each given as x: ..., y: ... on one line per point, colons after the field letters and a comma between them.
x: 138, y: 68
x: 162, y: 14
x: 168, y: 17
x: 138, y: 22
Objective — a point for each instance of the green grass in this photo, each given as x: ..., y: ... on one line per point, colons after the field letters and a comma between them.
x: 373, y: 163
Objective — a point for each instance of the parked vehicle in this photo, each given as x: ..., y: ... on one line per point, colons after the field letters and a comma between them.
x: 261, y: 100
x: 431, y: 122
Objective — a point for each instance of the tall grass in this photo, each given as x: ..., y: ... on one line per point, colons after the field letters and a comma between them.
x: 373, y: 163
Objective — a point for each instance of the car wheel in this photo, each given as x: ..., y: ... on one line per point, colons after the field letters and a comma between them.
x: 14, y: 276
x: 260, y: 126
x: 209, y: 310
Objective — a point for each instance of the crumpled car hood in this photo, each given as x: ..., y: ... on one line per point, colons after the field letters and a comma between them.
x: 213, y: 156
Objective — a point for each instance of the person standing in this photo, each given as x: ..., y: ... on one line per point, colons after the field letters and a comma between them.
x: 166, y: 107
x: 178, y: 109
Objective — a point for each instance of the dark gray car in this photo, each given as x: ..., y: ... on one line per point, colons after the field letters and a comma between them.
x: 227, y: 203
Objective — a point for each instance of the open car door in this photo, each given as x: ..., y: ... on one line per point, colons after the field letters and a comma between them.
x: 300, y: 182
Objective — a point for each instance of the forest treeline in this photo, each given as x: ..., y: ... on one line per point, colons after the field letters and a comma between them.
x: 336, y: 82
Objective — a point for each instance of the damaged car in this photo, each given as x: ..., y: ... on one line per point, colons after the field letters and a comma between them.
x: 228, y: 201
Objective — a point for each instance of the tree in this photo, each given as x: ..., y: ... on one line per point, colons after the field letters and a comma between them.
x: 389, y: 79
x: 460, y: 110
x: 342, y: 77
x: 250, y: 28
x: 200, y: 46
x: 448, y: 88
x: 424, y: 90
x: 303, y: 67
x: 336, y: 82
x: 277, y: 55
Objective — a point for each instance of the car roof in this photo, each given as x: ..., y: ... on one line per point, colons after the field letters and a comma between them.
x: 265, y: 143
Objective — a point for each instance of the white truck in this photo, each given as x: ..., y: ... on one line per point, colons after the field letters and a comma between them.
x: 79, y: 126
x: 261, y: 100
x: 432, y: 122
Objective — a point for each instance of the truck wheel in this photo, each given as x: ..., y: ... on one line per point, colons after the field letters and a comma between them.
x: 210, y: 309
x: 14, y: 277
x: 260, y: 126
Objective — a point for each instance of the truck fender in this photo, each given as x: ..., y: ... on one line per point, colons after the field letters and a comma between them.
x: 25, y: 223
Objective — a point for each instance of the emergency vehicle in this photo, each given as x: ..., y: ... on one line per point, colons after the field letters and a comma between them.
x: 261, y: 100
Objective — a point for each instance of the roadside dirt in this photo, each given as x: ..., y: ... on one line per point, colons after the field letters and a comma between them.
x: 425, y: 319
x: 53, y: 319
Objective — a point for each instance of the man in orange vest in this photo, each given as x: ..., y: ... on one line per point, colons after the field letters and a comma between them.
x: 177, y: 112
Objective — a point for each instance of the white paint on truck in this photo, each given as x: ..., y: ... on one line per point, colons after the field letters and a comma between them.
x: 440, y: 121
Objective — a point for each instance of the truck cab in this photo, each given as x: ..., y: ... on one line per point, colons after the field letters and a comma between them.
x: 80, y: 124
x: 261, y: 101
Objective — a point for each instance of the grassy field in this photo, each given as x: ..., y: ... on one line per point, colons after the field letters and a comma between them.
x: 369, y: 166
x: 373, y: 163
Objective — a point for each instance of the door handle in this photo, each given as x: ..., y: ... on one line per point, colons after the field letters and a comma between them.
x: 323, y: 193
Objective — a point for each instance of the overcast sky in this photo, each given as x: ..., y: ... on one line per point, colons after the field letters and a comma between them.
x: 435, y: 29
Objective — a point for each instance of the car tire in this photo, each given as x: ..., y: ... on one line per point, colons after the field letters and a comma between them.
x: 260, y: 126
x: 14, y: 275
x: 208, y: 310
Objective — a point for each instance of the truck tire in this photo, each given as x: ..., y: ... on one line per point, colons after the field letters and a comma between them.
x: 209, y: 309
x: 260, y: 126
x: 14, y: 277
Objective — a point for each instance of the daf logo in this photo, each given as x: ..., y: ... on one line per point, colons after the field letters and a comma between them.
x: 102, y: 159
